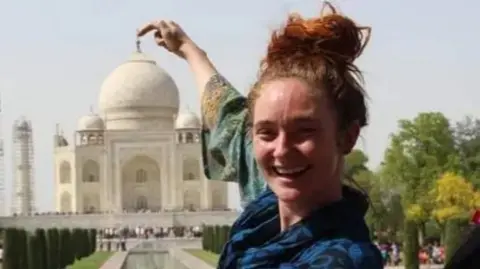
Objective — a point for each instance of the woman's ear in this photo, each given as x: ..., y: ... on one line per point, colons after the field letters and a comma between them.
x: 349, y: 137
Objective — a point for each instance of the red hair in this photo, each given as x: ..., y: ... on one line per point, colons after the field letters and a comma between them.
x: 322, y: 52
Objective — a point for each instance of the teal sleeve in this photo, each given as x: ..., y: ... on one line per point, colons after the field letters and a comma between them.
x: 226, y: 143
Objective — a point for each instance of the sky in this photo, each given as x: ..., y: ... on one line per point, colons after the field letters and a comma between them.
x: 55, y: 54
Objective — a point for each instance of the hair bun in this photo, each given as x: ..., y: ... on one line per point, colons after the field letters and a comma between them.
x: 332, y: 36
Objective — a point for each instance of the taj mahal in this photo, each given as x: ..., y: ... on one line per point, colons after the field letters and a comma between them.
x: 138, y: 153
x: 137, y: 162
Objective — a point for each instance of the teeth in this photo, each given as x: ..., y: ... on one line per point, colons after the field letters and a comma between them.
x: 281, y: 170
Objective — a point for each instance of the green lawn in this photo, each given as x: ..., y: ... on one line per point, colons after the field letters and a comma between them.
x: 206, y: 256
x: 93, y: 261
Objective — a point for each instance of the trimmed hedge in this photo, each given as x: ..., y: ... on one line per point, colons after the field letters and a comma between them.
x: 46, y: 249
x: 215, y: 237
x: 410, y: 245
x: 455, y: 230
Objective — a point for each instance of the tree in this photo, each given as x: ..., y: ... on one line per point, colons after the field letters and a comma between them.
x: 10, y: 249
x: 92, y: 235
x: 453, y: 197
x: 384, y: 214
x: 32, y: 252
x: 66, y: 249
x: 355, y: 162
x: 22, y: 248
x: 467, y: 140
x: 418, y: 154
x: 52, y: 251
x: 421, y: 150
x: 42, y: 248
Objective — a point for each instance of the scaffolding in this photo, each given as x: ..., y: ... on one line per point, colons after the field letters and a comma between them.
x: 2, y: 166
x: 23, y: 200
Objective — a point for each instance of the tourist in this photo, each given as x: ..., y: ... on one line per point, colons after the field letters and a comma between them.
x: 301, y: 117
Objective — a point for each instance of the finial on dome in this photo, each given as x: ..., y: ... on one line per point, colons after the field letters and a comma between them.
x: 138, y: 43
x: 57, y: 129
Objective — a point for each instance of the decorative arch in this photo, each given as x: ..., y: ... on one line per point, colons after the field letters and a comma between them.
x: 189, y: 137
x: 141, y: 184
x: 217, y: 200
x: 191, y: 169
x: 191, y: 200
x: 91, y: 203
x: 90, y: 171
x: 142, y: 203
x: 65, y: 202
x: 65, y: 172
x: 141, y: 176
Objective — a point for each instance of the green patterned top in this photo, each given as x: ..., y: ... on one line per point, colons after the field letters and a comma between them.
x: 226, y: 143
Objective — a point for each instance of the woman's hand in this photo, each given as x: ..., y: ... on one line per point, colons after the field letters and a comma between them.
x: 171, y: 36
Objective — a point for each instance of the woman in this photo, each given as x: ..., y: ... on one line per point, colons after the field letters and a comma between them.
x: 300, y: 119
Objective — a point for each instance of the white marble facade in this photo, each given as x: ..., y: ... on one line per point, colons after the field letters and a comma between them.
x: 138, y: 153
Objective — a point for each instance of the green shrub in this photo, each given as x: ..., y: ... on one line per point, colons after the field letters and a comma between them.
x: 454, y: 234
x: 92, y: 235
x: 33, y: 253
x: 204, y: 237
x: 215, y: 237
x: 76, y: 241
x: 22, y: 248
x: 10, y: 252
x: 67, y: 256
x: 41, y: 242
x: 53, y: 257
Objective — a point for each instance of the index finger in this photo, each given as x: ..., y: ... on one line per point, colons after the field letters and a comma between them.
x: 146, y: 29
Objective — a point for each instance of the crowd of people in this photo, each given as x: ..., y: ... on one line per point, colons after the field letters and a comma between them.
x: 430, y: 253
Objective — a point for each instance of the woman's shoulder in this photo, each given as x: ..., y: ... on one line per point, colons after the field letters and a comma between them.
x: 343, y: 253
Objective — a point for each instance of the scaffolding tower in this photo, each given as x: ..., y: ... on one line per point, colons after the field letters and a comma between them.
x: 3, y: 206
x: 23, y: 200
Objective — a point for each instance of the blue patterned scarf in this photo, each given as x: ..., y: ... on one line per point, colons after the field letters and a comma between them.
x: 332, y: 237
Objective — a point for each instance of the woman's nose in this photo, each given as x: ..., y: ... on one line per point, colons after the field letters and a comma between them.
x: 282, y: 146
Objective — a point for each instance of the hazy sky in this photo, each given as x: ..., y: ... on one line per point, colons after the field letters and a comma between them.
x: 55, y: 54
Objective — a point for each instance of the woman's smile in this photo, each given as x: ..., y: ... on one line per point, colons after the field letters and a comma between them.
x: 291, y: 172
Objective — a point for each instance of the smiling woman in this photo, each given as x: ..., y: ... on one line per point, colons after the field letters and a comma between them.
x: 292, y: 131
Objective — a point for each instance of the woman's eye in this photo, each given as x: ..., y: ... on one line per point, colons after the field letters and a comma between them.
x: 307, y: 130
x: 265, y: 134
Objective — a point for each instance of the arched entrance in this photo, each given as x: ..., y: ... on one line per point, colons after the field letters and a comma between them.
x: 65, y: 202
x: 141, y: 184
x: 191, y: 200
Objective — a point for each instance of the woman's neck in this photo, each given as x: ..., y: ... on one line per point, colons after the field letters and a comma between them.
x: 293, y: 212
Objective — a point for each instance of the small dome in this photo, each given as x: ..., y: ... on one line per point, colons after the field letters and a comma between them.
x: 187, y: 120
x: 23, y: 125
x: 139, y: 94
x: 90, y: 122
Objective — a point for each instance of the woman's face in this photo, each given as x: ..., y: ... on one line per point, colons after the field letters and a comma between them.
x: 296, y: 141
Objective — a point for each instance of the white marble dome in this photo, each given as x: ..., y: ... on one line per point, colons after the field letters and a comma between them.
x: 139, y: 94
x: 90, y: 122
x: 187, y: 120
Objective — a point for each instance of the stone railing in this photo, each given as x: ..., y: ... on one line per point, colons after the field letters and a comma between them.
x: 164, y: 219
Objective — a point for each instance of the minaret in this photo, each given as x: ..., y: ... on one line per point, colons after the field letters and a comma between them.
x: 23, y: 201
x: 2, y: 166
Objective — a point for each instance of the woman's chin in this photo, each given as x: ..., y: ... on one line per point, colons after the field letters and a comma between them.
x: 286, y: 194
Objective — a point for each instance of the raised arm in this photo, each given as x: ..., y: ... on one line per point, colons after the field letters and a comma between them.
x: 227, y: 153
